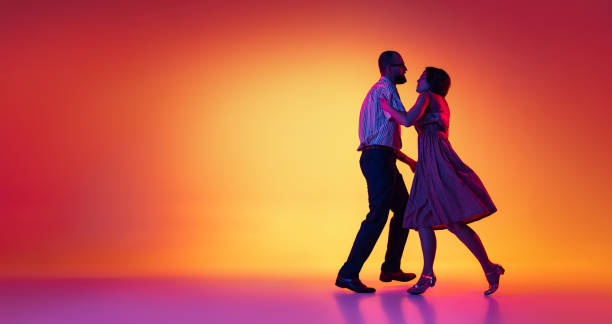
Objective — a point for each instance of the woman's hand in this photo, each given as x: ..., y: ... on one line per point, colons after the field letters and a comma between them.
x: 384, y: 104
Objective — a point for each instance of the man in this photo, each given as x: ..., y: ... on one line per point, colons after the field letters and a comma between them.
x: 380, y: 139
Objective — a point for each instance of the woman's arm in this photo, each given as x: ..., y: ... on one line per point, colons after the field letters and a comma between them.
x: 407, y: 118
x: 429, y: 118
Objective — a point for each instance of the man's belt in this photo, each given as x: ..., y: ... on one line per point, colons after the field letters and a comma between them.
x: 378, y: 147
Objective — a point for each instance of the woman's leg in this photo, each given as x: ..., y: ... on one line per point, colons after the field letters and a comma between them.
x: 473, y: 243
x: 428, y: 245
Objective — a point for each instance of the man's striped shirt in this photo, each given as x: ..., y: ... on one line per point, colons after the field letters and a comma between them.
x: 375, y: 125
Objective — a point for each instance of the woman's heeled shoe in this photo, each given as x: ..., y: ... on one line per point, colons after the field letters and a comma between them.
x: 493, y: 279
x: 422, y: 285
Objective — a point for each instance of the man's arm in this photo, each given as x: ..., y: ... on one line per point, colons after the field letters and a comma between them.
x: 406, y: 159
x: 407, y: 118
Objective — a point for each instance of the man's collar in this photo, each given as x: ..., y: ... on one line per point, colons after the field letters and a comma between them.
x: 384, y: 78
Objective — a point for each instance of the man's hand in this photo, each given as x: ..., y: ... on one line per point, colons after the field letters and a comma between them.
x: 412, y: 164
x: 404, y: 158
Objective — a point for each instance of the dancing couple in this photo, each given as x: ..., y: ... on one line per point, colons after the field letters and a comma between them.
x: 445, y: 193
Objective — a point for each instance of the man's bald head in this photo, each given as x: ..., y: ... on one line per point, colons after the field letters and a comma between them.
x: 391, y: 66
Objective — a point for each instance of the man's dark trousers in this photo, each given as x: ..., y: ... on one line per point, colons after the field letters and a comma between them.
x: 386, y: 191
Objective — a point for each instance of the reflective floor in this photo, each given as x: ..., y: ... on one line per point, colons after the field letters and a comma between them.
x: 189, y: 300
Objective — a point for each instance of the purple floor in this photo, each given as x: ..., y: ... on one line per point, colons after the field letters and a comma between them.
x: 183, y: 300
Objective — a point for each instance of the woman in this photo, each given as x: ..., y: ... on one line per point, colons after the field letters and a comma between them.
x: 445, y: 192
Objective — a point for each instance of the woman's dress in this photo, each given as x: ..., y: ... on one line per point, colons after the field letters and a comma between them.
x: 444, y: 189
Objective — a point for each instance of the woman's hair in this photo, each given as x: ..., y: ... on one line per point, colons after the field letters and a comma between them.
x: 438, y: 79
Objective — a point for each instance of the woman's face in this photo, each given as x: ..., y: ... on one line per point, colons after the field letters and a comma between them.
x: 422, y: 84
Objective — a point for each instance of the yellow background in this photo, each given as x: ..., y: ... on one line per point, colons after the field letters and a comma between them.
x: 220, y: 139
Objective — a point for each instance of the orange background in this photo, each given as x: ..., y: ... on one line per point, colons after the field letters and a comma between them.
x: 188, y: 138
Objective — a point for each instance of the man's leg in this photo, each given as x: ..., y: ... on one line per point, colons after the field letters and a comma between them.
x: 397, y: 234
x: 377, y: 167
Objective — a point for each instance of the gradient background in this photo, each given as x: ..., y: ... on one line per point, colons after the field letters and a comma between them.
x: 219, y: 138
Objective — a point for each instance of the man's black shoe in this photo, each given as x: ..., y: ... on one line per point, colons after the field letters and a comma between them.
x: 353, y: 284
x: 398, y: 276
